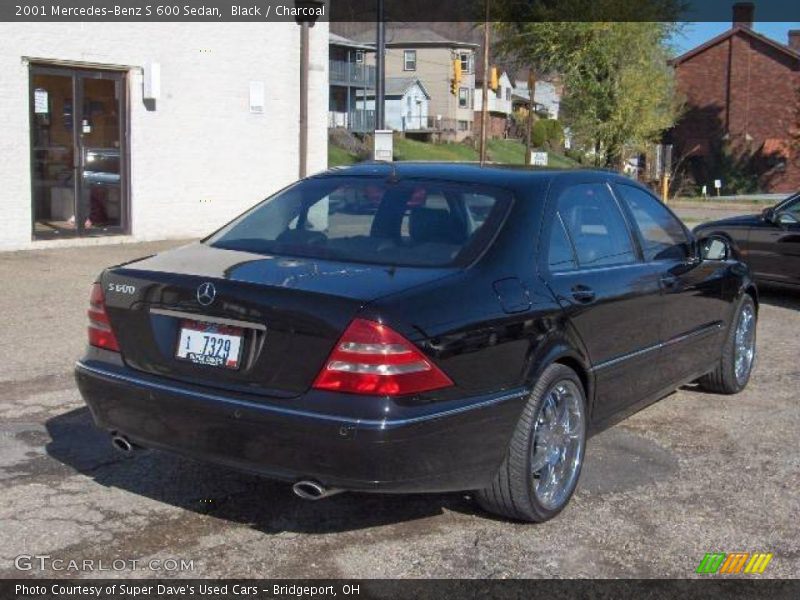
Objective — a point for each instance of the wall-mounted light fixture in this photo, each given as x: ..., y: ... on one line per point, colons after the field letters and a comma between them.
x: 151, y: 81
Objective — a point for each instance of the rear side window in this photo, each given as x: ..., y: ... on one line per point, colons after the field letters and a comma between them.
x: 366, y: 219
x: 663, y: 237
x: 560, y: 255
x: 596, y: 226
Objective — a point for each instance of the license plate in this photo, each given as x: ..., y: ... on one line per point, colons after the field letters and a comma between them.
x: 210, y: 344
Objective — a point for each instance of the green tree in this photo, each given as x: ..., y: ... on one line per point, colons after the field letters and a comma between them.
x: 619, y: 91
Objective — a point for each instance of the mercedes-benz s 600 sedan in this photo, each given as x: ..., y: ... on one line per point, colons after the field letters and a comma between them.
x: 466, y: 330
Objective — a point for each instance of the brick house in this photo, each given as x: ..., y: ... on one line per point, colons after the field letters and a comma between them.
x: 742, y: 93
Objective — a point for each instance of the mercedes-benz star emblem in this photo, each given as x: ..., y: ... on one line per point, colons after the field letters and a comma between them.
x: 206, y: 293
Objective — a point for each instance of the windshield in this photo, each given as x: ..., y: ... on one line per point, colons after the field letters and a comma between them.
x: 359, y: 219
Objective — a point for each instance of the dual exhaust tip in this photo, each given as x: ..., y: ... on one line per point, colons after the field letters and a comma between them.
x: 313, y: 490
x: 305, y: 489
x: 122, y: 444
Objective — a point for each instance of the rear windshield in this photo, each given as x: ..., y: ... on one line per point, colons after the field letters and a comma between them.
x: 406, y: 223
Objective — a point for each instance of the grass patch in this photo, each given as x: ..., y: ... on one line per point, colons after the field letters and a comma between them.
x: 512, y: 152
x: 407, y: 149
x: 338, y: 157
x: 509, y: 152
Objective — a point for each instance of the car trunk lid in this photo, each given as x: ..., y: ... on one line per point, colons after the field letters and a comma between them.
x: 289, y: 312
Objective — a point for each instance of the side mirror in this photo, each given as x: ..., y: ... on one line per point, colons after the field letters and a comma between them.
x: 768, y: 214
x: 715, y: 247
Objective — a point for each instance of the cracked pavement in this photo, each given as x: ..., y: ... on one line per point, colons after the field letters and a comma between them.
x: 694, y: 473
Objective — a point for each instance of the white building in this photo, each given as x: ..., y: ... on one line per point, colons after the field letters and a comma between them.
x: 499, y: 99
x: 546, y: 96
x: 406, y: 104
x: 138, y: 131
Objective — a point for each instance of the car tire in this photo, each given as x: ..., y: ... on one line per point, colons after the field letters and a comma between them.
x: 727, y: 378
x: 519, y: 487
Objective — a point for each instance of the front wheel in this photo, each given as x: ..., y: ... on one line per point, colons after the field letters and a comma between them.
x: 545, y: 456
x: 732, y: 373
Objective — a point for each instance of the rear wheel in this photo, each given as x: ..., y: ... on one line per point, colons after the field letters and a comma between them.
x: 732, y: 373
x: 545, y: 456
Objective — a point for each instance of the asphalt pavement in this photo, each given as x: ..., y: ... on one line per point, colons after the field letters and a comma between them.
x: 694, y: 473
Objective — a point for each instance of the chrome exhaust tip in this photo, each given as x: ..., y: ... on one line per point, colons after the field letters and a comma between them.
x: 312, y: 490
x: 122, y: 444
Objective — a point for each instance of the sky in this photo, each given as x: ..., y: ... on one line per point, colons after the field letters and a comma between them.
x: 694, y: 34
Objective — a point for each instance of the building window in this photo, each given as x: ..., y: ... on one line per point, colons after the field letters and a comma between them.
x: 463, y: 97
x: 359, y: 56
x: 464, y: 125
x: 508, y: 94
x: 467, y: 63
x: 409, y: 60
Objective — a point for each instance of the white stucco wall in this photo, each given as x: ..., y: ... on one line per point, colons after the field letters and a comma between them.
x: 200, y: 157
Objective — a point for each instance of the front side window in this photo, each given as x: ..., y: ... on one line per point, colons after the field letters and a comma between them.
x: 365, y: 219
x: 409, y: 60
x: 663, y: 236
x: 596, y: 226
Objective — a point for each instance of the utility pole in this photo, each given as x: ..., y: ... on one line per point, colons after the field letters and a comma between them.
x: 485, y: 90
x: 305, y: 23
x: 529, y: 124
x: 380, y: 70
x: 304, y: 58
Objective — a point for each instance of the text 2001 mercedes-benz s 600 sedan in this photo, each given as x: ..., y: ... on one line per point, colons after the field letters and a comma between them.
x: 418, y: 327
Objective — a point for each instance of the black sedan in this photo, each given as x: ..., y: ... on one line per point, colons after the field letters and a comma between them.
x: 768, y: 242
x: 467, y: 331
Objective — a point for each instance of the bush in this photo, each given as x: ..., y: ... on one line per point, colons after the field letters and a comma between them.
x: 547, y: 134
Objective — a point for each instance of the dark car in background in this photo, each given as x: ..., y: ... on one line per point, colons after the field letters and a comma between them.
x: 768, y: 242
x: 467, y: 330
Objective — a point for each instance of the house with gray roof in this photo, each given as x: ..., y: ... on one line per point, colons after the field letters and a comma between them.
x: 406, y: 105
x: 422, y: 54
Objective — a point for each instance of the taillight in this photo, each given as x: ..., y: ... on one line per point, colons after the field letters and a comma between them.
x: 371, y: 358
x: 100, y: 333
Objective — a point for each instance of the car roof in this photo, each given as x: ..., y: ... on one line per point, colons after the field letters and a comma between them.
x: 499, y: 175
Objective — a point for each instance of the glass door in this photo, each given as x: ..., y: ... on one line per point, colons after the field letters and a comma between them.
x: 78, y: 152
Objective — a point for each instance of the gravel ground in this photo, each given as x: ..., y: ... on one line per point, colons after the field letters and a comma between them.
x: 694, y: 473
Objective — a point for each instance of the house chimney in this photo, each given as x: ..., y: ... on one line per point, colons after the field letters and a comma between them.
x: 743, y: 14
x: 794, y: 39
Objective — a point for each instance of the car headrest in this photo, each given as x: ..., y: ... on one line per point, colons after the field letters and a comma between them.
x: 434, y: 225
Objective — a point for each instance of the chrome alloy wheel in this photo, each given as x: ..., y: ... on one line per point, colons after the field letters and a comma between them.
x: 557, y: 448
x: 745, y: 344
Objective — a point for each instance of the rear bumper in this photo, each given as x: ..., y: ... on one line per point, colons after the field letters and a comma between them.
x: 454, y: 447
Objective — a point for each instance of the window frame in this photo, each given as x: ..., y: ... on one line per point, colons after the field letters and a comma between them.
x: 558, y: 221
x: 464, y: 57
x: 551, y: 213
x: 636, y: 230
x: 406, y: 54
x: 465, y: 90
x: 359, y: 58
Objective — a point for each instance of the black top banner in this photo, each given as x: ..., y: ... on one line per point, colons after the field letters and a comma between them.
x: 395, y: 11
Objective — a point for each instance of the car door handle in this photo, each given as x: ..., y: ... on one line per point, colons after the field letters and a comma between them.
x: 583, y: 294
